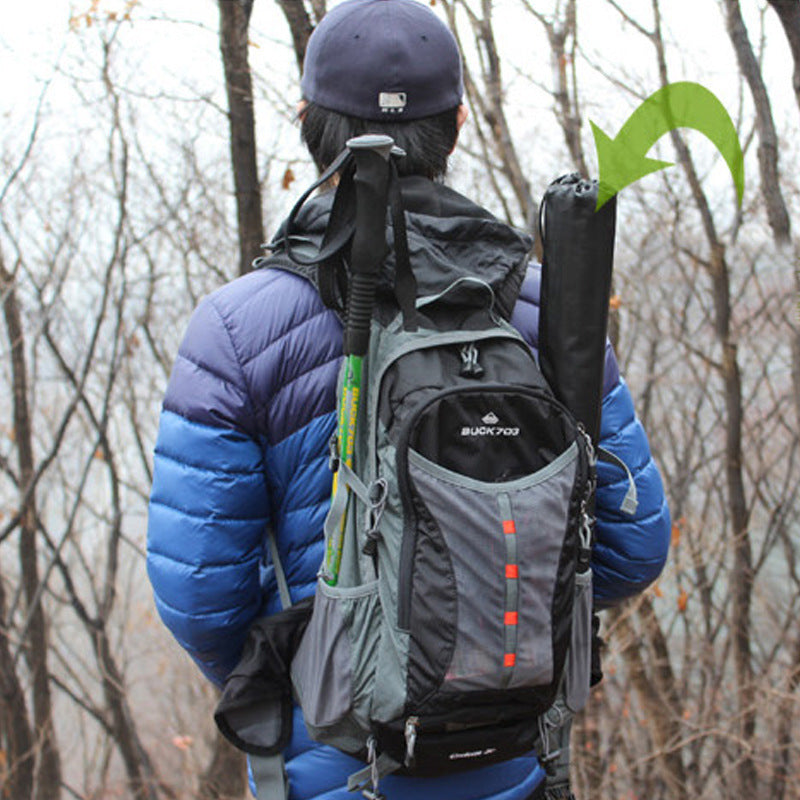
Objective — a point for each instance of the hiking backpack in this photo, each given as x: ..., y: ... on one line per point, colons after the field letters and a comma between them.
x: 462, y: 599
x: 457, y: 631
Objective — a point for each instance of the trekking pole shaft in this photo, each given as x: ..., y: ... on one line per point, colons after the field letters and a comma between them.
x: 369, y: 241
x: 366, y: 256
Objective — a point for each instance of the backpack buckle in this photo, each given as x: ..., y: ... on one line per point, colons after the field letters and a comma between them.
x: 333, y: 453
x: 378, y: 492
x: 372, y: 760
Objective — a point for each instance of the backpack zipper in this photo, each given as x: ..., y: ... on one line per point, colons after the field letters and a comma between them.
x: 470, y: 368
x: 412, y: 724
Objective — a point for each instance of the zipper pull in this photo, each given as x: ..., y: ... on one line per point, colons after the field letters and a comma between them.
x: 470, y: 368
x: 412, y: 723
x: 590, y: 452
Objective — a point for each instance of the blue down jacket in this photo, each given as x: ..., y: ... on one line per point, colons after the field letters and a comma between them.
x: 243, y: 443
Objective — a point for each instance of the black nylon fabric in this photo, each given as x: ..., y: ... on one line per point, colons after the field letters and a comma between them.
x: 449, y: 237
x: 455, y: 743
x: 262, y: 678
x: 501, y: 362
x: 433, y: 612
x: 578, y: 252
x: 453, y: 432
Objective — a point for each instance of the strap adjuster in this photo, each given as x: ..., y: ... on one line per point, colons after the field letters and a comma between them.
x: 334, y: 460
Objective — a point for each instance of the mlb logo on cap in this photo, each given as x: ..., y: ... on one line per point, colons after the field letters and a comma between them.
x: 392, y: 102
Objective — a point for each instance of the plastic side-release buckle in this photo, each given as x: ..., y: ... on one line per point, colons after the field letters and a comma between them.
x: 333, y: 453
x: 378, y: 492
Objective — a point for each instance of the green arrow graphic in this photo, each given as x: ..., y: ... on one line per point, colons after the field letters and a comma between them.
x: 623, y: 159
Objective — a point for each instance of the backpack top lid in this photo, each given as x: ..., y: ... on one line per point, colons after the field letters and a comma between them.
x: 449, y: 238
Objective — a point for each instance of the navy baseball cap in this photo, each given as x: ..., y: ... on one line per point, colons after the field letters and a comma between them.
x: 382, y: 60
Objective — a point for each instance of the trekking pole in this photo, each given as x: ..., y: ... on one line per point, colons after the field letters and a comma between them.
x: 372, y: 153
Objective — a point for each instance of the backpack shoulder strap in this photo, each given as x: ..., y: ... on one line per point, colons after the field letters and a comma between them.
x: 269, y: 776
x: 269, y: 772
x: 325, y: 281
x: 280, y: 574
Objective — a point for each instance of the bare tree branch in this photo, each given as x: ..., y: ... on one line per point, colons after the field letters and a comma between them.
x: 234, y: 18
x: 777, y: 213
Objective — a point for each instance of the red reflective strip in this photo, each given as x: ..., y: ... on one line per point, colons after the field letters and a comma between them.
x: 509, y: 660
x: 511, y: 618
x: 509, y: 526
x: 512, y: 571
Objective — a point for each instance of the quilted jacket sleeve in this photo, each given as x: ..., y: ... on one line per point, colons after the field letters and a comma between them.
x: 209, y: 505
x: 630, y: 549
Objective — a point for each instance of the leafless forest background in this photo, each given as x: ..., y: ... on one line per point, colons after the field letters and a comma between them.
x: 128, y: 189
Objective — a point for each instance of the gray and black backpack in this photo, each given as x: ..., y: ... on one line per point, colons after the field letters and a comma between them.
x: 456, y: 632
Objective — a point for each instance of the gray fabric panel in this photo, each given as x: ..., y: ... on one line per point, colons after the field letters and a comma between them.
x: 391, y: 526
x: 540, y: 514
x: 389, y: 694
x: 334, y: 669
x: 512, y: 585
x: 280, y: 575
x: 269, y: 776
x: 579, y: 658
x: 364, y: 625
x: 390, y: 681
x: 470, y: 519
x: 472, y: 529
x: 345, y: 735
x: 260, y: 724
x: 321, y: 671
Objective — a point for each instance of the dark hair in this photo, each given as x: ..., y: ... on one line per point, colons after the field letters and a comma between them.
x: 427, y: 142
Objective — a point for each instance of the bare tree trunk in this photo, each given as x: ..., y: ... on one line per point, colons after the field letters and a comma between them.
x: 141, y: 775
x: 496, y: 117
x: 488, y: 106
x: 788, y: 12
x: 777, y: 214
x: 654, y: 682
x: 300, y: 25
x: 796, y: 350
x: 226, y: 776
x: 16, y: 739
x: 565, y: 90
x: 742, y: 575
x: 234, y: 22
x: 785, y: 737
x: 226, y: 766
x: 48, y: 767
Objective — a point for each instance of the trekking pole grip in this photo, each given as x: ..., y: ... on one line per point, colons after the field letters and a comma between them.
x: 371, y: 153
